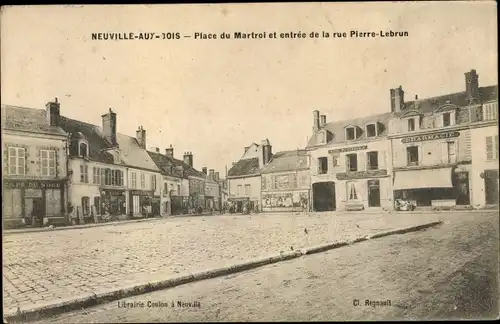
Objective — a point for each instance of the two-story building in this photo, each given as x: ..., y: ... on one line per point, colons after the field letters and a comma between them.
x: 212, y: 190
x: 350, y: 164
x: 244, y: 177
x: 286, y: 182
x: 433, y: 147
x: 34, y: 166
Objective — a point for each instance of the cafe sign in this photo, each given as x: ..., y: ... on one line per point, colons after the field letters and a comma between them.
x: 141, y: 193
x: 32, y: 184
x: 349, y: 149
x: 361, y: 174
x: 430, y: 137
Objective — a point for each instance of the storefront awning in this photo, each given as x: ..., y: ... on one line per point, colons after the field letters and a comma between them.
x: 417, y: 179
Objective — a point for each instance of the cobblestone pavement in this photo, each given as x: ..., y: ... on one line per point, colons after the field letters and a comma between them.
x: 447, y: 272
x: 50, y: 266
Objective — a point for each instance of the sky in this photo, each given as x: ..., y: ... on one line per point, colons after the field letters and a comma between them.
x: 213, y: 97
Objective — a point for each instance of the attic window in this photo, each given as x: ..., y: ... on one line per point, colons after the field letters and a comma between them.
x: 350, y: 133
x: 371, y: 130
x: 83, y: 149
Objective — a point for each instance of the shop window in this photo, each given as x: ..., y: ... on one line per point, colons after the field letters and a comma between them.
x: 350, y: 133
x: 411, y: 124
x: 322, y: 165
x: 11, y: 203
x: 53, y: 202
x: 371, y: 130
x: 134, y: 180
x: 412, y: 155
x: 293, y: 181
x: 17, y: 161
x: 85, y: 206
x: 352, y: 162
x: 84, y: 173
x: 492, y: 148
x: 83, y: 149
x: 48, y: 162
x: 446, y: 119
x: 351, y: 191
x: 372, y: 159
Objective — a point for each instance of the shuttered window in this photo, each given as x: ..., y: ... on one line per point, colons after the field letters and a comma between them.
x: 492, y: 147
x: 17, y: 161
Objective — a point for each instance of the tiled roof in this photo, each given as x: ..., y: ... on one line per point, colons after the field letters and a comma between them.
x: 97, y: 144
x: 132, y: 154
x: 172, y: 167
x: 28, y: 120
x: 287, y: 161
x: 245, y: 167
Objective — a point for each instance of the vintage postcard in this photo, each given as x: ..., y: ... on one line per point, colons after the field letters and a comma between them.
x: 250, y: 162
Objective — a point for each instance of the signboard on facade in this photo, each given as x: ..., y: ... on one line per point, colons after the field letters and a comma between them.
x: 141, y: 193
x: 349, y: 149
x: 32, y: 184
x: 361, y: 174
x: 430, y: 137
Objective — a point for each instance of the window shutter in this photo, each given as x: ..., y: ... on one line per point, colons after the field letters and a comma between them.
x: 382, y: 160
x: 489, y: 148
x: 56, y: 163
x: 121, y: 178
x: 444, y: 152
x: 361, y: 161
x: 496, y: 147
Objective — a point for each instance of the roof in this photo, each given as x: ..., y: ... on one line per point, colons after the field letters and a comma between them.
x: 133, y: 154
x: 172, y: 167
x: 28, y: 120
x: 287, y: 161
x: 338, y: 128
x: 245, y: 167
x: 458, y: 99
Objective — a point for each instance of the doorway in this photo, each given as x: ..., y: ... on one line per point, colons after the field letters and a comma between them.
x: 373, y: 193
x: 491, y: 186
x: 34, y: 206
x: 324, y: 196
x: 462, y: 188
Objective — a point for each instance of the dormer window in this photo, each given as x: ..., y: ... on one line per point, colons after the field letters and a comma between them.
x: 371, y: 130
x: 350, y: 133
x: 446, y: 119
x: 83, y: 149
x: 411, y: 124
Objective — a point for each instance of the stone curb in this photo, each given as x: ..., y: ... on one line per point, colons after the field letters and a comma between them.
x: 92, y: 299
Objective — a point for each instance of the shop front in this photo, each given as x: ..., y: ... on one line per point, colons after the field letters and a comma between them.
x: 285, y: 201
x: 238, y: 205
x: 33, y: 202
x: 179, y: 205
x: 142, y: 202
x: 111, y: 202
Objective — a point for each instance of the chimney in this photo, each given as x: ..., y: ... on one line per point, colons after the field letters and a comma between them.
x: 204, y: 170
x: 216, y: 176
x: 140, y: 135
x: 472, y: 85
x: 266, y: 151
x: 322, y: 120
x: 169, y: 151
x: 157, y: 150
x: 246, y: 148
x: 397, y: 99
x: 211, y: 174
x: 52, y: 112
x: 316, y: 121
x: 109, y: 127
x: 188, y: 158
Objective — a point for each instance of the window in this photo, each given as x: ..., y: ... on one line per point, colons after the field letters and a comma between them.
x: 83, y: 149
x: 84, y: 173
x: 143, y: 181
x: 238, y: 190
x: 335, y: 160
x: 179, y: 190
x: 275, y: 182
x: 411, y: 125
x: 153, y: 182
x: 351, y: 191
x: 451, y: 152
x: 97, y: 205
x: 491, y: 111
x: 371, y: 130
x: 492, y: 147
x: 96, y: 176
x: 85, y: 206
x: 446, y: 119
x: 17, y: 161
x: 293, y: 180
x: 412, y: 155
x: 372, y: 159
x: 247, y: 190
x: 134, y: 180
x: 350, y: 133
x: 48, y: 159
x: 322, y: 165
x: 113, y: 177
x: 351, y: 162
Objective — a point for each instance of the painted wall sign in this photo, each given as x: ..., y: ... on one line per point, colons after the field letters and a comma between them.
x: 141, y: 193
x: 430, y: 137
x: 349, y: 149
x: 361, y: 174
x: 32, y: 184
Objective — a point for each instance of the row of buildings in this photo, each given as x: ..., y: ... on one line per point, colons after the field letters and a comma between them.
x: 439, y: 152
x: 60, y: 170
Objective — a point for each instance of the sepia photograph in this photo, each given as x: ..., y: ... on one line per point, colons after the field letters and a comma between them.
x: 250, y: 162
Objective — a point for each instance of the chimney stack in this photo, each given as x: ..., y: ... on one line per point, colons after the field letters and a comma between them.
x: 322, y: 120
x: 53, y: 112
x: 109, y: 127
x: 140, y: 135
x: 397, y: 99
x: 204, y: 170
x: 246, y: 148
x: 157, y: 150
x: 169, y: 151
x: 216, y: 176
x: 211, y: 174
x: 472, y: 85
x: 188, y: 158
x: 316, y: 121
x: 266, y: 151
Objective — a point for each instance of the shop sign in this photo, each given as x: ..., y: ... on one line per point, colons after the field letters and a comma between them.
x: 349, y: 149
x: 113, y: 192
x: 32, y: 184
x: 141, y: 193
x: 361, y: 174
x: 430, y: 137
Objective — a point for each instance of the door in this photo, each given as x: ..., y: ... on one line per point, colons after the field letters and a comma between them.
x: 324, y: 196
x: 462, y: 188
x: 38, y: 211
x: 491, y: 186
x: 373, y: 193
